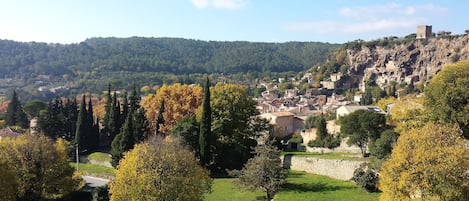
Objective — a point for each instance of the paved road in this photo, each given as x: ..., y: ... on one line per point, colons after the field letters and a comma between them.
x: 93, y: 182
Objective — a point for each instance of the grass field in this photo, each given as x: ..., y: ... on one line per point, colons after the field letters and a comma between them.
x: 225, y: 190
x: 100, y: 156
x: 300, y: 186
x: 97, y: 170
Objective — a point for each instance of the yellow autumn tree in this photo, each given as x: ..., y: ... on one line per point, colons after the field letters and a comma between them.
x: 160, y: 169
x: 180, y: 101
x: 408, y: 113
x: 7, y: 178
x: 40, y: 167
x: 428, y: 163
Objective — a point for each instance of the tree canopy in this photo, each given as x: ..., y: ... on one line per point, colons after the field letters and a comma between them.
x: 160, y: 169
x: 40, y: 167
x: 264, y: 171
x: 362, y: 126
x: 447, y: 95
x: 428, y: 163
x: 182, y: 101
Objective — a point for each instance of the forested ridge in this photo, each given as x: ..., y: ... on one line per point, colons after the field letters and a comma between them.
x: 170, y: 55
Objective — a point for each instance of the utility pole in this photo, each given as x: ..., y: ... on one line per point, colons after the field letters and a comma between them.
x: 78, y: 157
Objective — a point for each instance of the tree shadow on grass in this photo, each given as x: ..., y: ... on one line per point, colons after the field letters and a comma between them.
x: 312, y: 187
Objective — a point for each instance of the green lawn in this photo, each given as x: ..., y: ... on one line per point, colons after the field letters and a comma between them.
x: 100, y: 156
x: 300, y: 186
x: 97, y: 170
x: 225, y: 190
x: 304, y: 186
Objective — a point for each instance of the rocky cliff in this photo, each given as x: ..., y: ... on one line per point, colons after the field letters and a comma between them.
x: 414, y: 60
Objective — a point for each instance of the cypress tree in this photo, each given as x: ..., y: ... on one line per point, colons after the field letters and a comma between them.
x: 108, y: 109
x: 124, y: 141
x: 92, y: 127
x: 321, y: 132
x: 160, y: 119
x: 15, y: 115
x: 134, y: 100
x: 205, y: 126
x: 80, y: 134
x: 141, y: 125
x: 125, y: 108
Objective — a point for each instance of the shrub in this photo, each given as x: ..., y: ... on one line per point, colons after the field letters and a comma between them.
x: 368, y: 179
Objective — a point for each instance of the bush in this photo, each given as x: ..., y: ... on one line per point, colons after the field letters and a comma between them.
x: 368, y: 180
x: 296, y: 138
x: 101, y: 193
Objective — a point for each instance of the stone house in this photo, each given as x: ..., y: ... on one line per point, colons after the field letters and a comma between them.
x: 285, y: 123
x: 347, y: 109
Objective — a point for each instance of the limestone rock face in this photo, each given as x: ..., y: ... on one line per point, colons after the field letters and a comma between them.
x: 418, y: 60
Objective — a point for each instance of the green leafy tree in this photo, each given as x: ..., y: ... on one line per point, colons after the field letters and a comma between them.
x: 15, y: 115
x: 32, y: 108
x: 446, y: 96
x: 263, y: 172
x: 382, y: 147
x: 233, y: 124
x: 362, y: 126
x: 160, y: 169
x: 368, y: 179
x: 205, y: 136
x: 188, y: 130
x: 428, y: 163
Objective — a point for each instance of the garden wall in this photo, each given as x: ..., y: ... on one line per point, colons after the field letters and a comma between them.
x: 334, y: 168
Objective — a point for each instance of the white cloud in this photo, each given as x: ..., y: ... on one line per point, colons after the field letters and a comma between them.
x: 220, y: 4
x: 369, y: 19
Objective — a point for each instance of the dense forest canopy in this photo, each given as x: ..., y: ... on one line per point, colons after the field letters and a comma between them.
x: 170, y: 55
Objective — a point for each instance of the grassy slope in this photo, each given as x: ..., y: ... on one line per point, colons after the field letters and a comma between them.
x: 304, y: 186
x: 225, y: 190
x: 300, y: 187
x: 97, y: 170
x: 100, y: 156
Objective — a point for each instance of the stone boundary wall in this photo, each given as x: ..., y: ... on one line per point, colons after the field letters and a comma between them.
x: 334, y: 168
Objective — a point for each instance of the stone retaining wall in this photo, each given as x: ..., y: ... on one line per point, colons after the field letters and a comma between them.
x: 334, y: 168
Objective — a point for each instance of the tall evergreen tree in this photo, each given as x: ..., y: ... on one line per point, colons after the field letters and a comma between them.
x: 125, y: 108
x: 205, y: 126
x: 321, y: 125
x: 123, y: 142
x: 160, y: 119
x: 108, y: 109
x: 81, y: 131
x: 70, y: 114
x: 141, y: 125
x: 367, y: 97
x: 92, y: 128
x: 114, y: 118
x: 15, y: 115
x: 134, y: 100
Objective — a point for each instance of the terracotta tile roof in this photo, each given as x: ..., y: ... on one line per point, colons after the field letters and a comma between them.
x: 8, y: 132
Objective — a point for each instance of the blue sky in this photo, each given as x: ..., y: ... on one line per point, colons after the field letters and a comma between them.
x: 335, y: 21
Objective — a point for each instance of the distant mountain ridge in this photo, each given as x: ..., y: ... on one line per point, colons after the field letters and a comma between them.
x: 171, y: 55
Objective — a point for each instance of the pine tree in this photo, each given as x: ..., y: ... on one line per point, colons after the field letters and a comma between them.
x: 80, y: 134
x: 70, y: 114
x: 160, y: 119
x: 15, y: 115
x: 123, y: 142
x: 205, y: 126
